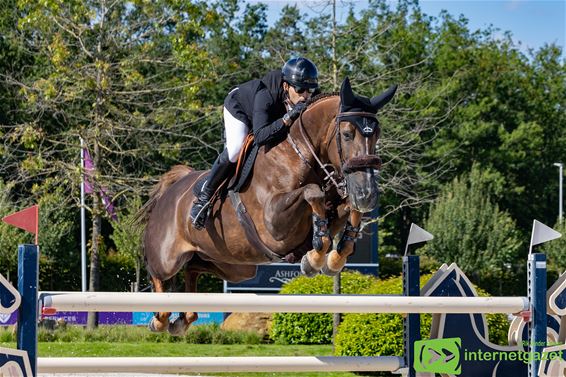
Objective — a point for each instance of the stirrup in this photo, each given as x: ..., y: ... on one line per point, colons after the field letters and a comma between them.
x: 199, y: 221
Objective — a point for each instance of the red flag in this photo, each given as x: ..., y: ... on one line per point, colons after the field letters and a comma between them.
x: 26, y: 219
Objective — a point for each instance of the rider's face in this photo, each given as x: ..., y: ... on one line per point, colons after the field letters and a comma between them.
x: 294, y: 95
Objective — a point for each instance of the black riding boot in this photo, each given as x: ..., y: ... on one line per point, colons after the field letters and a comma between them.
x: 220, y: 171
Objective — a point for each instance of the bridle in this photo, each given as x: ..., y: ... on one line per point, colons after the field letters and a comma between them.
x: 332, y: 177
x: 359, y: 162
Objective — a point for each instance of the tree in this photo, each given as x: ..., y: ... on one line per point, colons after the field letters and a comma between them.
x: 124, y: 76
x: 10, y: 237
x: 127, y: 236
x: 472, y: 231
x: 510, y: 116
x: 554, y: 250
x: 143, y: 84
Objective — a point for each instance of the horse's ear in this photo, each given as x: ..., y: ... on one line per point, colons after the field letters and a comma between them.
x: 381, y: 100
x: 347, y: 97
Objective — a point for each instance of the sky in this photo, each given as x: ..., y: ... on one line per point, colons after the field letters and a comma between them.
x: 533, y: 23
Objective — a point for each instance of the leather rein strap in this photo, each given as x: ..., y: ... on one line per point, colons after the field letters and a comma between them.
x: 330, y: 176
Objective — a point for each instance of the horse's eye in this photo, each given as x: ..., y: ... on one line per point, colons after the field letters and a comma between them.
x: 348, y: 135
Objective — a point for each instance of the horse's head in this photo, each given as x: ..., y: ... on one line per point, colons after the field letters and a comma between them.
x: 357, y: 131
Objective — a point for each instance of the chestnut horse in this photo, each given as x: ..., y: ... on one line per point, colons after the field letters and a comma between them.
x: 291, y: 206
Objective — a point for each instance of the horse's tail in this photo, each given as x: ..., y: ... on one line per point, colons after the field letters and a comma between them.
x: 166, y: 180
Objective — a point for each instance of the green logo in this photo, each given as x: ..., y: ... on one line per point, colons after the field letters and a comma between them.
x: 438, y: 356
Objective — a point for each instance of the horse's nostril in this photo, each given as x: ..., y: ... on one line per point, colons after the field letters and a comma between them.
x: 363, y: 192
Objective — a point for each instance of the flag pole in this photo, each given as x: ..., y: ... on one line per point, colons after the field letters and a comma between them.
x: 83, y: 226
x: 37, y: 227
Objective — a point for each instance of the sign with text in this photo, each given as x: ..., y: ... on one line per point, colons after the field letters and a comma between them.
x: 271, y: 277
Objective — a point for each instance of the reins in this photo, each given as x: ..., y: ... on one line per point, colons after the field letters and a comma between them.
x: 329, y: 175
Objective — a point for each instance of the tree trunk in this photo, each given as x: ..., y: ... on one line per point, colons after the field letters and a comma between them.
x: 138, y: 274
x: 94, y: 283
x: 94, y: 280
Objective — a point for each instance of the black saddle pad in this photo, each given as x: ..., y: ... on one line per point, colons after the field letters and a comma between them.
x: 240, y: 181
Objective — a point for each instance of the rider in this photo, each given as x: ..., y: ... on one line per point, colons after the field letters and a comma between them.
x: 267, y: 106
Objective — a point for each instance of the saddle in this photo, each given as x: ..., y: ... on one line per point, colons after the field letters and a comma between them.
x: 242, y: 173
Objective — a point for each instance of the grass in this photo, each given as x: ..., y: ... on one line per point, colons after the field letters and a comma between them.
x: 118, y: 341
x: 202, y: 334
x: 101, y: 349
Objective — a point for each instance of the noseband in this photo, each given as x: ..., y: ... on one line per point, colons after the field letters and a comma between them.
x: 334, y: 178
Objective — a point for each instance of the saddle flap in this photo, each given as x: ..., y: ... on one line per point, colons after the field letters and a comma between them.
x: 246, y: 162
x: 244, y: 168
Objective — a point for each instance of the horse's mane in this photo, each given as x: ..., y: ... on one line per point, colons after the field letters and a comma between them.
x: 168, y: 179
x: 319, y: 97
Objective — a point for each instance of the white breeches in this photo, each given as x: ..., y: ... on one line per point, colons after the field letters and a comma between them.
x: 236, y: 132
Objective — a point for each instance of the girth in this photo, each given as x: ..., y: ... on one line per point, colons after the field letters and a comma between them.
x: 253, y: 237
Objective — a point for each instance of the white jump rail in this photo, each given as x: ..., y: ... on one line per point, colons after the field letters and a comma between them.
x: 217, y: 364
x: 250, y: 303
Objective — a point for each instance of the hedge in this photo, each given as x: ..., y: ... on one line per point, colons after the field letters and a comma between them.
x: 313, y: 328
x: 371, y: 334
x: 359, y: 334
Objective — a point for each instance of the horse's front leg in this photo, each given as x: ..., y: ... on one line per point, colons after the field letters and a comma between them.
x: 336, y: 259
x: 315, y: 259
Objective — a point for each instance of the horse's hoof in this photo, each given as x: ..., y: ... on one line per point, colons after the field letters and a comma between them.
x: 328, y: 272
x: 178, y: 327
x: 306, y: 268
x: 154, y: 327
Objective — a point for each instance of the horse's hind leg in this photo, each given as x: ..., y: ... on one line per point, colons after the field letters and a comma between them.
x: 181, y: 324
x: 160, y: 321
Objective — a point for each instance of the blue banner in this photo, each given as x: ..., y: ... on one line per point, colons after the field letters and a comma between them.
x: 271, y: 277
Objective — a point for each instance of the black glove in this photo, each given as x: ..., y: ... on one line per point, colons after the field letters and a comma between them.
x: 294, y: 113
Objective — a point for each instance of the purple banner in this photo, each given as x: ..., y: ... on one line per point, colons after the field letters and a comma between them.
x: 111, y: 318
x: 114, y: 318
x: 8, y: 319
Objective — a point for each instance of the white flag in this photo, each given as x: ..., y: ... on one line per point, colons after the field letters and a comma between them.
x: 416, y: 235
x: 541, y: 234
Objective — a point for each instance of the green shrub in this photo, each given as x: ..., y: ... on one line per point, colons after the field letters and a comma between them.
x: 7, y: 334
x: 377, y: 333
x: 374, y: 334
x: 313, y: 328
x: 390, y: 266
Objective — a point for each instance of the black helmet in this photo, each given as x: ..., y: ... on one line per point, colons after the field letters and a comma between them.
x: 300, y: 72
